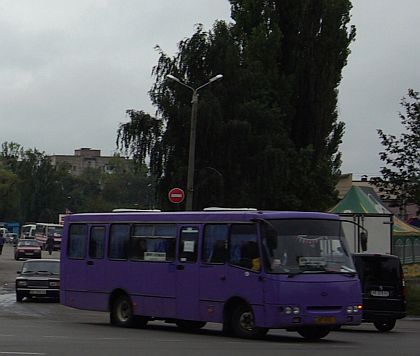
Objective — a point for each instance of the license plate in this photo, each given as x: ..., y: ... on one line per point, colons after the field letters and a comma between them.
x: 38, y: 292
x: 325, y: 320
x: 379, y: 293
x: 29, y: 253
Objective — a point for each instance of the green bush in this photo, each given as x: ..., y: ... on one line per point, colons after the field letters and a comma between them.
x: 413, y: 298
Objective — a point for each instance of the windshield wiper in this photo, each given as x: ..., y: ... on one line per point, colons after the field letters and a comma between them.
x: 345, y: 273
x: 43, y: 272
x: 324, y: 271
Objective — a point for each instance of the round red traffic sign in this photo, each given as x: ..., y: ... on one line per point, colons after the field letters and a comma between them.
x: 176, y: 195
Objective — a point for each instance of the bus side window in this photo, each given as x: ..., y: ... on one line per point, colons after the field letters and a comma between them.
x: 118, y: 241
x: 97, y: 242
x: 153, y: 242
x: 188, y: 244
x: 214, y: 243
x: 244, y: 251
x: 77, y: 241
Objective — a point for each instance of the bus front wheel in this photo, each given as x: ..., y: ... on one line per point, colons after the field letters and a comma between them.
x: 243, y: 323
x: 122, y: 312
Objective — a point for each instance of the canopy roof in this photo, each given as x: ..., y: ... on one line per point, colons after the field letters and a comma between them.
x: 361, y: 200
x: 364, y: 200
x: 400, y: 228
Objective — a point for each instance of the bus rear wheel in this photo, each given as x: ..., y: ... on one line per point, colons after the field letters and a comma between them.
x: 122, y: 312
x: 243, y: 323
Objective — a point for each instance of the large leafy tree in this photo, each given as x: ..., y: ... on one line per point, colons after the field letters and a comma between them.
x: 32, y: 189
x: 9, y: 194
x: 401, y: 173
x: 268, y: 133
x: 128, y: 186
x: 39, y: 186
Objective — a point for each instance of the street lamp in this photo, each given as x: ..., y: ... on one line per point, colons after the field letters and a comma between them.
x: 191, y: 155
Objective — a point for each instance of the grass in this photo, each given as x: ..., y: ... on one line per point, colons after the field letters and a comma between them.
x: 413, y: 298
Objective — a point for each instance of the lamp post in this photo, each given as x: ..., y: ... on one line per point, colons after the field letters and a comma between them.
x: 193, y: 129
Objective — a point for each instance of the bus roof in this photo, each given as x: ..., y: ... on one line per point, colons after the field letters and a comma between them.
x: 197, y: 216
x: 49, y: 224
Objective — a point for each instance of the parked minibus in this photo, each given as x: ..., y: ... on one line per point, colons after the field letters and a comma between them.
x: 27, y: 231
x: 44, y: 230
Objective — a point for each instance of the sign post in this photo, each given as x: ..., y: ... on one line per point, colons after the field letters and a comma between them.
x: 176, y: 195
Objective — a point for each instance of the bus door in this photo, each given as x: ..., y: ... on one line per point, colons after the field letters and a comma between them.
x: 245, y: 264
x: 85, y: 254
x: 187, y: 273
x: 213, y: 281
x: 95, y: 261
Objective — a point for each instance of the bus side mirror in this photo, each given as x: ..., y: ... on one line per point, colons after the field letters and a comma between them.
x: 363, y: 240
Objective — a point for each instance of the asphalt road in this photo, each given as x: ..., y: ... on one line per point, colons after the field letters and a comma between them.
x: 44, y: 328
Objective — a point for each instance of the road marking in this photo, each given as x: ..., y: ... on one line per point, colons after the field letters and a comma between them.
x: 56, y: 336
x: 21, y: 353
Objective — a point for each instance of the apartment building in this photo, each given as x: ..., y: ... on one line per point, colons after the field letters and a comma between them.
x: 82, y: 159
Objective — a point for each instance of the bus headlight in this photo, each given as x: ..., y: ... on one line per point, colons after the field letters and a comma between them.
x: 296, y: 310
x: 292, y: 310
x: 288, y: 310
x: 354, y: 309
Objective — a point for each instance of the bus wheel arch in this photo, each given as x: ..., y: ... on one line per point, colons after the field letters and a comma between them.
x: 238, y: 319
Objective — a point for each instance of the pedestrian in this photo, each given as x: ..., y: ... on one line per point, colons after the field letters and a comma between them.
x: 1, y: 243
x: 50, y: 244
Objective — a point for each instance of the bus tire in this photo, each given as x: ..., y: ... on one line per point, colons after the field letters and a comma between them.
x: 243, y: 324
x: 314, y: 333
x: 385, y: 325
x: 190, y: 325
x: 122, y: 312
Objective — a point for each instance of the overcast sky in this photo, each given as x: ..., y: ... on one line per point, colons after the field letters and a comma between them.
x: 70, y: 69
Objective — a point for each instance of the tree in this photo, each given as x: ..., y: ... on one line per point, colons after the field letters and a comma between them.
x: 9, y: 194
x: 270, y: 127
x: 32, y: 189
x: 39, y: 185
x: 401, y: 173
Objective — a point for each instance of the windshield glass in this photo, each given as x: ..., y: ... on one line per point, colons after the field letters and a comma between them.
x: 41, y: 266
x: 306, y: 246
x: 28, y: 243
x: 55, y: 231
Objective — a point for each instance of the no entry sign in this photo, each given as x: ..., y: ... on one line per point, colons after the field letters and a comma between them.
x: 176, y: 195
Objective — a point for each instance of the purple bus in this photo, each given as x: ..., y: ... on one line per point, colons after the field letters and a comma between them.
x: 249, y: 270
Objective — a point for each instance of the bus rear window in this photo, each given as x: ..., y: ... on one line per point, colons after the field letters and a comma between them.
x: 378, y: 268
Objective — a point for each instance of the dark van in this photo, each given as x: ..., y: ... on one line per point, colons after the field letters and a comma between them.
x: 383, y: 287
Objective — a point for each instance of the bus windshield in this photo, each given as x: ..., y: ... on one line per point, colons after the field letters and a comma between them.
x: 55, y: 231
x: 306, y: 246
